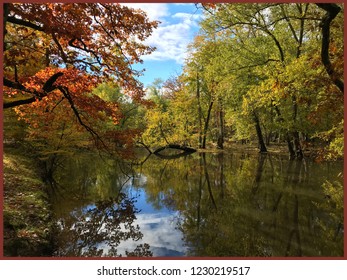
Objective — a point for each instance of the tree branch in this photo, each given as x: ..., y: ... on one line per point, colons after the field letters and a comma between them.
x: 14, y: 85
x: 146, y: 147
x: 47, y: 87
x: 256, y: 65
x: 29, y: 24
x: 5, y: 11
x: 60, y: 48
x: 16, y: 103
x: 331, y: 12
x: 96, y: 136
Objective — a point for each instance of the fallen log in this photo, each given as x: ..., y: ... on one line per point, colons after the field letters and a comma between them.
x: 185, y: 151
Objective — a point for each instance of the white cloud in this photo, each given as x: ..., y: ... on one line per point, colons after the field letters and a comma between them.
x: 186, y: 17
x: 155, y: 11
x: 173, y: 34
x: 171, y: 40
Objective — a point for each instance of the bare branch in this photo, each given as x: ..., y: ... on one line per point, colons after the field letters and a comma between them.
x: 331, y: 12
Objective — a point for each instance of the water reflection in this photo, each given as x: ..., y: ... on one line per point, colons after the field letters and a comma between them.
x: 201, y: 205
x: 98, y: 229
x: 158, y: 226
x: 94, y: 213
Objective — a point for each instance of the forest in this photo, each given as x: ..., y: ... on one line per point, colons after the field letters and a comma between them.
x: 263, y: 80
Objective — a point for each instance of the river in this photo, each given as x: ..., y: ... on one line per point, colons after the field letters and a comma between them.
x: 230, y: 204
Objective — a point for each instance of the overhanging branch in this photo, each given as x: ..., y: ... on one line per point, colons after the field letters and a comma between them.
x: 95, y: 135
x: 13, y: 85
x: 16, y: 103
x: 47, y: 88
x: 331, y: 12
x: 29, y: 24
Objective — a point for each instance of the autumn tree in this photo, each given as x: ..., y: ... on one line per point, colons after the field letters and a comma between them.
x: 56, y: 54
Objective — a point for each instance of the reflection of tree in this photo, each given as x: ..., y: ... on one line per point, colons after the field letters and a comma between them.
x: 258, y: 173
x: 295, y: 232
x: 84, y: 179
x: 229, y: 204
x: 86, y: 232
x: 294, y: 178
x: 247, y: 205
x: 207, y: 178
x: 94, y: 215
x: 333, y: 199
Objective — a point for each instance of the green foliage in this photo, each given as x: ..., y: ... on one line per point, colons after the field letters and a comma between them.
x: 172, y: 119
x: 264, y: 60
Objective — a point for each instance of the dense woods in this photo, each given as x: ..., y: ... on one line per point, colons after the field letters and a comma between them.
x: 265, y: 76
x: 260, y: 73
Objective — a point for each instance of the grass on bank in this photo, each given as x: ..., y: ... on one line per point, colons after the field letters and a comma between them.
x: 26, y: 213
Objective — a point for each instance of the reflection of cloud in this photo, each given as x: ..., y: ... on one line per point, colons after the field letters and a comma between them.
x: 160, y: 233
x: 173, y: 34
x: 164, y: 252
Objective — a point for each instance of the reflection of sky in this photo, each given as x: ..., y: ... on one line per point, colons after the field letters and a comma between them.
x: 158, y: 228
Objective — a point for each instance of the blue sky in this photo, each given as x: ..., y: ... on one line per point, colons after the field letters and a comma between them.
x: 179, y: 25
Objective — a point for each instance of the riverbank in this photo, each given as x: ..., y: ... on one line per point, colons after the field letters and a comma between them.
x: 311, y: 152
x: 26, y: 211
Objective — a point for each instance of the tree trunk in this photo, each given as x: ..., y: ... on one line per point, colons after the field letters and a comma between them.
x: 287, y: 135
x: 296, y: 141
x: 220, y: 140
x: 262, y: 147
x: 207, y: 121
x: 199, y: 109
x: 290, y: 146
x: 297, y: 145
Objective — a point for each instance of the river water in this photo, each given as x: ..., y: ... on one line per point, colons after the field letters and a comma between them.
x: 230, y: 204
